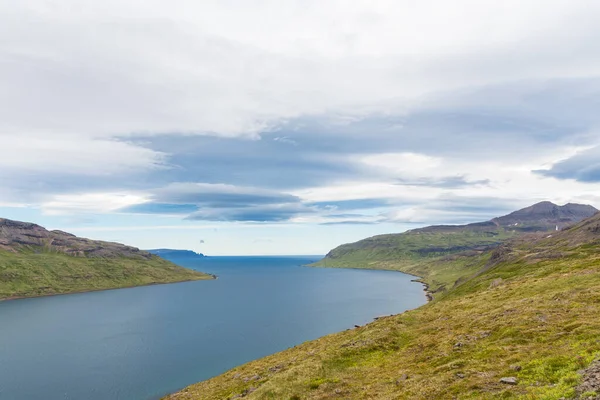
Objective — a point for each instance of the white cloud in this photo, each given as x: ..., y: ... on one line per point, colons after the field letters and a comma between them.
x: 82, y: 80
x: 90, y: 203
x: 231, y: 68
x: 74, y: 155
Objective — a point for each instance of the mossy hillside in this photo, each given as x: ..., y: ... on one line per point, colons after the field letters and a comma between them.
x: 443, y: 255
x: 440, y: 258
x: 532, y: 312
x: 30, y: 273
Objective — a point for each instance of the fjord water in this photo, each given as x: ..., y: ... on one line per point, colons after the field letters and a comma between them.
x: 145, y: 342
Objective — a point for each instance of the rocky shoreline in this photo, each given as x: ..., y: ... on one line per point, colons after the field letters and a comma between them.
x: 428, y: 293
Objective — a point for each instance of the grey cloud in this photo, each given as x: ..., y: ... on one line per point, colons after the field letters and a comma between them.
x: 219, y: 202
x: 502, y: 122
x: 219, y: 195
x: 456, y: 125
x: 583, y: 167
x: 450, y: 182
x: 268, y: 213
x: 350, y: 222
x: 354, y: 204
x: 450, y: 209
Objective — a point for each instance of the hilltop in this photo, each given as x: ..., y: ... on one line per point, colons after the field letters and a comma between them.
x: 525, y: 325
x: 35, y: 261
x: 443, y: 254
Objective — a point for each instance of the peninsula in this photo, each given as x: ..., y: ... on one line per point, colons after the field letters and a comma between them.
x: 37, y: 262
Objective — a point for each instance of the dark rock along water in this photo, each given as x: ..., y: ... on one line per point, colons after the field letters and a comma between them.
x: 145, y: 342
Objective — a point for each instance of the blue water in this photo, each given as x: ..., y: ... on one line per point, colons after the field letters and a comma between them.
x: 144, y: 342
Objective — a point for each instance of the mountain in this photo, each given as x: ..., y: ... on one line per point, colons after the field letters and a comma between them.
x: 445, y: 253
x: 35, y: 261
x: 545, y: 216
x: 174, y: 252
x: 525, y: 325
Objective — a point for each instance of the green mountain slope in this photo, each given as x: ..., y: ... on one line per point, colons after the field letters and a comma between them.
x: 37, y: 262
x: 443, y: 254
x: 523, y: 327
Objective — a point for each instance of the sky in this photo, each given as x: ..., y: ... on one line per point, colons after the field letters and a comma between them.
x: 256, y: 127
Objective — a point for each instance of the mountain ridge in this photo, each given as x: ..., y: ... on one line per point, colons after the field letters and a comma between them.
x: 445, y: 253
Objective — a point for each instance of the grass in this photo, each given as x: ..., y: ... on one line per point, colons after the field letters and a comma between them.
x: 29, y: 274
x: 439, y: 257
x: 530, y: 310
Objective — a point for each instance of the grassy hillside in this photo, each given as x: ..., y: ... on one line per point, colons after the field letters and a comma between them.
x: 28, y: 273
x: 440, y: 256
x: 35, y: 262
x: 530, y: 312
x: 443, y: 254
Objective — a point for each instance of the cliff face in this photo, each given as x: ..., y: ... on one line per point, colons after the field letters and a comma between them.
x: 17, y: 236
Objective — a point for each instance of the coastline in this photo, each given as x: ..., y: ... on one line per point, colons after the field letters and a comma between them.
x: 420, y: 279
x: 428, y: 293
x: 12, y: 298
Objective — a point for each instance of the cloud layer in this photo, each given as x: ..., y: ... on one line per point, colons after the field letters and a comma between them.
x: 299, y: 111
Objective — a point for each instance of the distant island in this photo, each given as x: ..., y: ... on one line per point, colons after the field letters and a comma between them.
x: 175, y: 252
x: 37, y: 262
x: 515, y: 315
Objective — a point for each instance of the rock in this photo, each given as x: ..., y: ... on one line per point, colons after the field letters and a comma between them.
x: 402, y: 378
x: 510, y: 380
x: 460, y: 375
x: 591, y: 381
x: 244, y: 393
x: 495, y: 283
x: 16, y: 236
x: 276, y: 368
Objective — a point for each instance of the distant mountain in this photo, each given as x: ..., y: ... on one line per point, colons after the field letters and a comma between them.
x: 450, y: 249
x: 546, y: 216
x: 175, y: 252
x: 35, y: 261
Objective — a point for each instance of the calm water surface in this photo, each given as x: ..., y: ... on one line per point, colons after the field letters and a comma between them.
x: 145, y: 342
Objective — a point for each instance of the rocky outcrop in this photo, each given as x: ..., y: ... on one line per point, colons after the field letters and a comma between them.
x: 589, y: 389
x: 16, y: 236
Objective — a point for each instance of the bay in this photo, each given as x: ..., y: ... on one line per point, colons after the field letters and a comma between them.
x: 145, y: 342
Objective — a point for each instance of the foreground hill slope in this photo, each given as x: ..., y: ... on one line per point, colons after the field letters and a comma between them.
x: 36, y: 262
x: 524, y: 327
x: 442, y: 254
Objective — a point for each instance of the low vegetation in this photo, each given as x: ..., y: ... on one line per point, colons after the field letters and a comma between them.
x: 439, y: 257
x: 445, y: 254
x: 36, y: 262
x: 521, y: 326
x: 29, y: 273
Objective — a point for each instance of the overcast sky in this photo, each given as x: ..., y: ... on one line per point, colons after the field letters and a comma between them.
x: 290, y: 127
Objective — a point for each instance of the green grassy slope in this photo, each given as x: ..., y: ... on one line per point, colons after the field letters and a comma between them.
x: 440, y: 255
x: 532, y: 311
x: 27, y: 273
x: 443, y: 254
